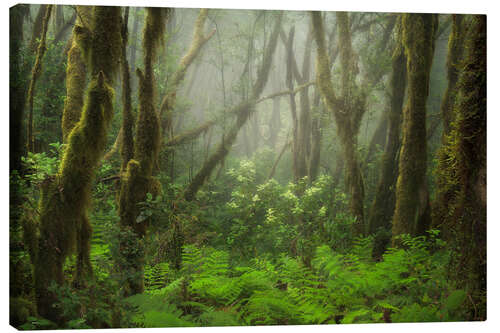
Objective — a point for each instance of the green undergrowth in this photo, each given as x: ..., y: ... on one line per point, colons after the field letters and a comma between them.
x: 409, y: 284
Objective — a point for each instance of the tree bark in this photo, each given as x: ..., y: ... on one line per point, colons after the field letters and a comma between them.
x: 382, y: 208
x: 65, y: 198
x: 462, y: 177
x: 35, y: 74
x: 348, y: 109
x: 137, y: 181
x: 412, y: 211
x: 76, y: 76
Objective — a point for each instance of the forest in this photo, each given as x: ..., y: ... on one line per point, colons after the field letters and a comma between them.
x: 214, y: 167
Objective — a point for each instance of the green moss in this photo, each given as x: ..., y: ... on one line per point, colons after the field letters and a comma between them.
x: 76, y: 76
x: 75, y: 88
x: 137, y: 180
x: 19, y: 311
x: 105, y: 48
x: 66, y: 197
x: 126, y: 132
x: 461, y: 199
x: 412, y: 211
x: 455, y: 54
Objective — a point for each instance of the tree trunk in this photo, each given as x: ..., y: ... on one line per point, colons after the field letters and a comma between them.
x: 36, y: 32
x: 35, y: 74
x: 455, y: 55
x: 76, y: 75
x: 348, y: 109
x: 137, y: 180
x: 382, y: 208
x: 412, y: 211
x: 462, y: 177
x: 17, y: 93
x: 66, y: 197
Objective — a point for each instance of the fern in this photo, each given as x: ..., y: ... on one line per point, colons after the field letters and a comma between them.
x: 270, y: 308
x: 157, y: 276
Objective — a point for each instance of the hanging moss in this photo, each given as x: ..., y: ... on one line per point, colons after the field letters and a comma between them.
x: 76, y: 76
x: 65, y: 199
x: 64, y: 226
x: 105, y: 50
x: 137, y: 181
x: 126, y: 131
x: 412, y: 211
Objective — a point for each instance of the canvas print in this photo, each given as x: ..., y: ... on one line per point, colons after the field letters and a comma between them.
x: 217, y: 167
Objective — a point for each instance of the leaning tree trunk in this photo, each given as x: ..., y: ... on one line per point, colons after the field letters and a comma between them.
x: 36, y: 32
x: 412, y: 210
x: 244, y: 110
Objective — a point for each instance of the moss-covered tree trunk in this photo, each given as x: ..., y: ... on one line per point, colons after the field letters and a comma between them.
x: 453, y: 62
x: 304, y: 124
x: 382, y: 209
x: 174, y: 82
x: 461, y: 203
x: 63, y: 225
x: 127, y: 139
x: 76, y: 76
x: 297, y: 174
x: 412, y: 210
x: 348, y: 109
x: 137, y: 181
x: 316, y: 135
x: 36, y: 31
x: 35, y: 74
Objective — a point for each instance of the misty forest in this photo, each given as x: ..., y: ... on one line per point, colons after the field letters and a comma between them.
x: 217, y: 167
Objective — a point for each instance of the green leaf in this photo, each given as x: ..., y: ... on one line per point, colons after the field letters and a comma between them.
x: 351, y: 316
